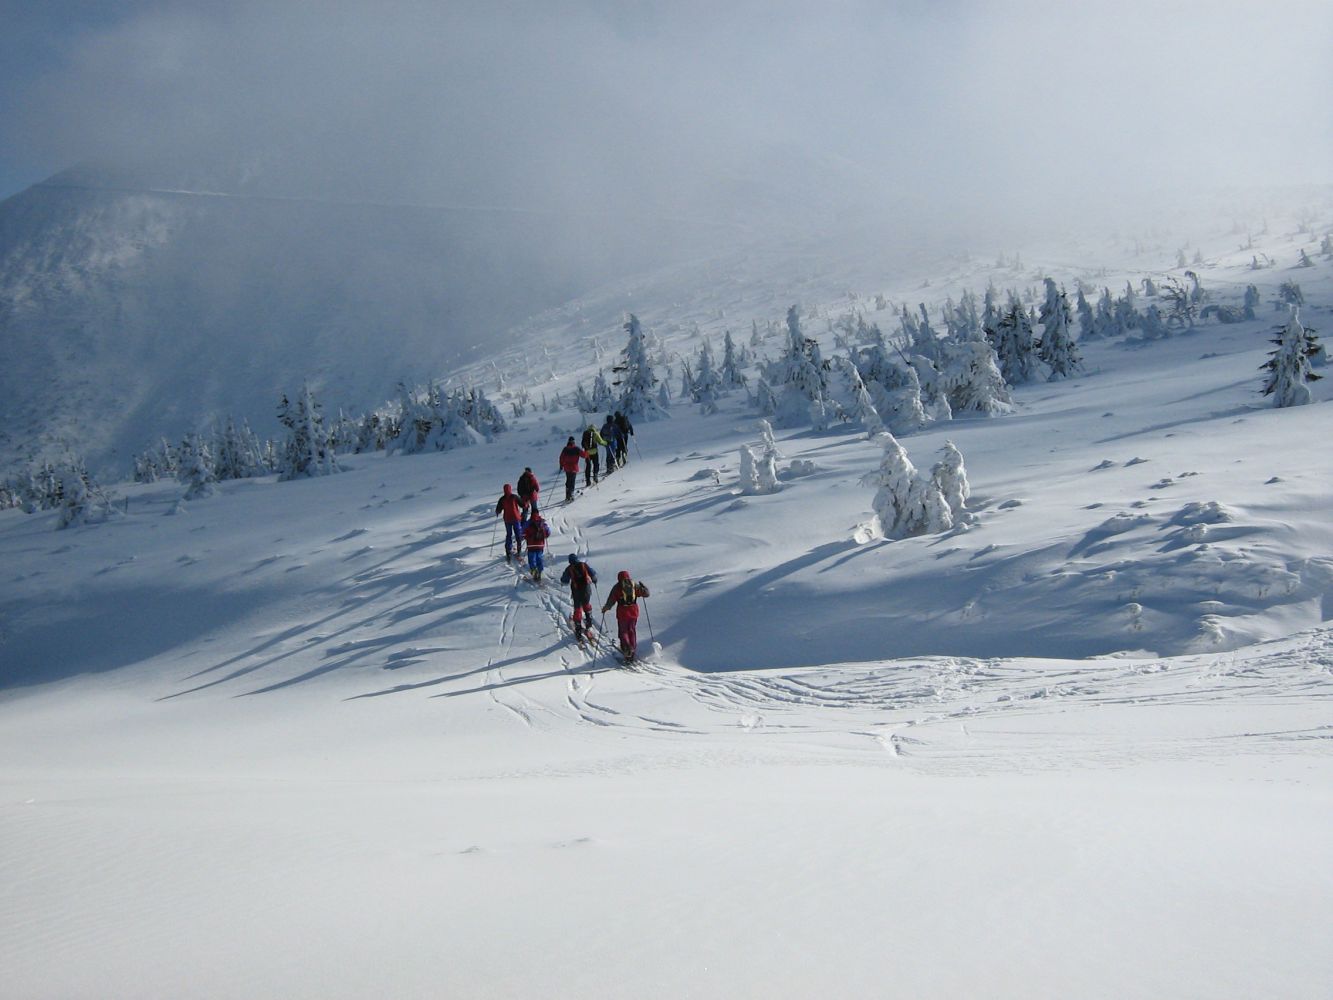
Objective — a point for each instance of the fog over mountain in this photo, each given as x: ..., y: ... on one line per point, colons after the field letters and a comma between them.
x: 246, y: 194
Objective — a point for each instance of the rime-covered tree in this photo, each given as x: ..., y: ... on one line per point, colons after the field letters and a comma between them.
x: 906, y: 502
x: 1251, y: 301
x: 1288, y: 366
x: 1126, y: 310
x: 306, y: 451
x: 1105, y: 322
x: 637, y: 381
x: 1087, y: 322
x: 602, y: 397
x: 1056, y: 346
x: 970, y: 376
x: 197, y: 472
x: 237, y: 452
x: 863, y: 407
x: 801, y: 374
x: 707, y: 381
x: 80, y: 499
x: 950, y: 478
x: 731, y: 362
x: 1151, y: 324
x: 686, y: 380
x: 1014, y: 345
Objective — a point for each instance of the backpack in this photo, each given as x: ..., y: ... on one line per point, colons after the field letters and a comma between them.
x: 578, y: 575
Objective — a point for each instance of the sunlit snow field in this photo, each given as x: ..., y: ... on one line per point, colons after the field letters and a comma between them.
x: 317, y: 739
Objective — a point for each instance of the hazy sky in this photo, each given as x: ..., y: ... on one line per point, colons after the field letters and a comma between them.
x: 650, y: 106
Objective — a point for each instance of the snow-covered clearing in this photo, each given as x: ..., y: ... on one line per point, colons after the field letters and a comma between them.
x: 317, y: 739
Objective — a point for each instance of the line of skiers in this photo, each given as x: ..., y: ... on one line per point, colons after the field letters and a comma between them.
x: 524, y: 525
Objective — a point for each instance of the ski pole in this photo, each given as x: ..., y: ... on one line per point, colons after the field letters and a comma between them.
x: 649, y: 619
x: 494, y: 527
x: 636, y: 449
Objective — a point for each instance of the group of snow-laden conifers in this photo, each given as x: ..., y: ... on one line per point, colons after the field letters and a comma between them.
x: 525, y: 526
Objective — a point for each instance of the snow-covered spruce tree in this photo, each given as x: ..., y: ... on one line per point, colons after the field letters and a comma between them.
x: 970, y: 376
x: 1288, y: 366
x: 707, y: 381
x: 863, y: 407
x: 769, y: 454
x: 306, y: 451
x: 1251, y: 301
x: 1151, y: 324
x: 637, y: 397
x: 687, y: 380
x: 950, y: 478
x: 1014, y: 344
x: 766, y: 400
x: 82, y: 500
x: 906, y: 502
x: 920, y: 337
x: 1056, y: 347
x: 800, y: 372
x: 1289, y: 294
x: 731, y: 362
x: 602, y: 397
x: 749, y: 471
x: 1087, y: 322
x: 1181, y: 308
x: 1105, y: 323
x: 197, y: 471
x: 934, y: 398
x: 583, y: 400
x: 1126, y: 310
x: 237, y: 453
x: 899, y: 401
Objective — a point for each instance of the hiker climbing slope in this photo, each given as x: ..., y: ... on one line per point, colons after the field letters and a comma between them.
x: 511, y: 508
x: 569, y: 465
x: 592, y: 440
x: 625, y: 596
x: 528, y: 490
x: 580, y: 577
x: 535, y: 534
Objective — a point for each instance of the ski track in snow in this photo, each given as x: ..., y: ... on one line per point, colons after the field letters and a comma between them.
x: 944, y: 713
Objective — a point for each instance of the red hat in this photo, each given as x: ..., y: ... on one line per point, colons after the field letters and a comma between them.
x: 623, y: 575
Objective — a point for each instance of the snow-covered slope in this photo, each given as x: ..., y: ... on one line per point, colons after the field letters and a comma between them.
x: 319, y: 739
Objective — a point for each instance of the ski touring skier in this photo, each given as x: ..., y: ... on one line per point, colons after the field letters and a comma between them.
x: 610, y: 434
x: 625, y: 596
x: 535, y: 534
x: 625, y: 431
x: 569, y: 465
x: 592, y: 440
x: 528, y: 490
x: 580, y: 577
x: 511, y: 508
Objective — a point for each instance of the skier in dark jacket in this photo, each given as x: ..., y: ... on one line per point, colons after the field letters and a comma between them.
x: 569, y: 465
x: 535, y: 534
x: 591, y: 442
x: 528, y: 490
x: 511, y: 507
x: 580, y: 577
x: 626, y: 431
x: 625, y: 596
x: 610, y: 433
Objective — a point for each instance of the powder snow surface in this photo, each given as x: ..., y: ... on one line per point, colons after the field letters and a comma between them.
x: 317, y: 739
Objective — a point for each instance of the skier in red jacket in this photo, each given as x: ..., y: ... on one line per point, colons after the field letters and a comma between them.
x: 625, y: 596
x: 569, y: 465
x: 528, y: 490
x: 511, y: 507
